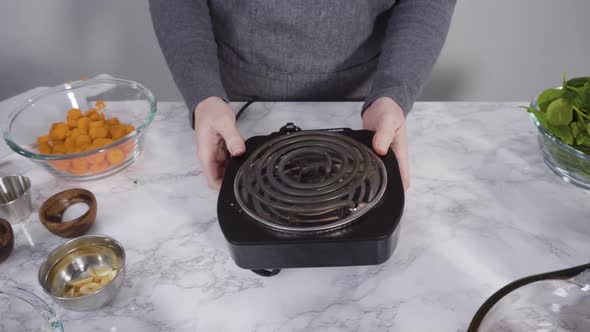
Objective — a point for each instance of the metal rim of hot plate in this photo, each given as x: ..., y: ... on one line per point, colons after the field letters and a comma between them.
x: 324, y: 227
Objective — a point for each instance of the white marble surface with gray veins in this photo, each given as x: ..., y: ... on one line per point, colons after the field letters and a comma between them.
x: 482, y: 210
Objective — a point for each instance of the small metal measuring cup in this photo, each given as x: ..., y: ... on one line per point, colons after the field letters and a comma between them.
x: 15, y: 198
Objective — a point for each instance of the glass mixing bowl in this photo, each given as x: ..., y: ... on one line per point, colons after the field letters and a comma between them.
x: 21, y: 310
x: 129, y: 101
x: 570, y: 164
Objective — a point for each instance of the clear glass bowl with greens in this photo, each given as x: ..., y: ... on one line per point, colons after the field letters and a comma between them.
x: 131, y: 103
x: 571, y: 164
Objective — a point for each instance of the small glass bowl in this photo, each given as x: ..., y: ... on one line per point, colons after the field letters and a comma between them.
x: 570, y: 164
x: 21, y: 310
x: 129, y: 101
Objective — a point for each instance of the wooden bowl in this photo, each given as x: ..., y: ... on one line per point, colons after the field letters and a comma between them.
x: 6, y: 240
x: 52, y: 210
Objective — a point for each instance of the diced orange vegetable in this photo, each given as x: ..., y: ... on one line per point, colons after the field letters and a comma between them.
x: 100, y: 142
x: 60, y: 165
x: 70, y: 142
x: 86, y: 131
x: 113, y: 121
x: 83, y: 141
x: 83, y: 123
x: 117, y: 131
x: 96, y: 158
x: 97, y: 132
x: 129, y: 129
x: 45, y: 148
x: 80, y: 163
x: 72, y: 123
x: 75, y: 132
x: 59, y: 149
x: 43, y: 139
x: 98, y: 123
x: 90, y: 147
x: 78, y: 171
x: 90, y: 112
x: 115, y: 156
x: 128, y: 147
x: 58, y: 131
x: 74, y: 114
x: 99, y: 167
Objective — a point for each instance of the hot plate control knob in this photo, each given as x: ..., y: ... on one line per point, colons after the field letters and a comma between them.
x: 290, y: 127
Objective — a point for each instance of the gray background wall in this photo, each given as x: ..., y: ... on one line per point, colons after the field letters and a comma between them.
x: 496, y: 50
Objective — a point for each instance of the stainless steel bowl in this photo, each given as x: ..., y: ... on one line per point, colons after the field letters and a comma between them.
x: 72, y: 259
x: 15, y: 198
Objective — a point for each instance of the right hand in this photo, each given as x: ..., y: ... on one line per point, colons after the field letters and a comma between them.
x: 217, y: 138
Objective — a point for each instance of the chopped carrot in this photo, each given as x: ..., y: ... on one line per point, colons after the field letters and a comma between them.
x: 90, y: 112
x: 83, y: 122
x: 86, y: 131
x: 100, y: 142
x: 60, y: 165
x: 58, y: 131
x: 45, y: 148
x: 43, y: 139
x: 83, y: 141
x: 96, y: 158
x: 129, y: 129
x: 113, y: 121
x: 99, y: 167
x: 128, y: 147
x: 74, y: 114
x: 117, y: 131
x: 98, y: 123
x: 115, y: 156
x: 59, y: 149
x: 80, y: 163
x: 97, y: 132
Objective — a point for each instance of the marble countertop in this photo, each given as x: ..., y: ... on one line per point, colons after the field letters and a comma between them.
x: 483, y: 210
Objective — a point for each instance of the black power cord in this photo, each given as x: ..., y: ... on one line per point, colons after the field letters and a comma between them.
x: 241, y: 111
x: 496, y: 297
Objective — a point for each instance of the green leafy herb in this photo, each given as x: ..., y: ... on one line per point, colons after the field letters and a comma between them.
x: 560, y: 112
x: 578, y: 82
x: 547, y: 96
x: 565, y: 113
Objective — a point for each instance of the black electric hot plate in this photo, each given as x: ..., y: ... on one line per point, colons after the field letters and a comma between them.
x: 310, y: 198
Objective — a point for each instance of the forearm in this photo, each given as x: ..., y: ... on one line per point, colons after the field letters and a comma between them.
x: 416, y: 32
x: 185, y: 33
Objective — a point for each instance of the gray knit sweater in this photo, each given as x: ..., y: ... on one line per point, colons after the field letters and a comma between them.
x: 301, y: 49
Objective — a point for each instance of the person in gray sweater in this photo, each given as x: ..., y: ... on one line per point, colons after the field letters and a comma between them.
x: 379, y: 51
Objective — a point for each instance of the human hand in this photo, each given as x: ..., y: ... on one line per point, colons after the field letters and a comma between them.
x: 217, y: 138
x: 387, y: 119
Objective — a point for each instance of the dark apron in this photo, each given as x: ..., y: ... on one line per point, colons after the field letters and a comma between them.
x: 244, y: 81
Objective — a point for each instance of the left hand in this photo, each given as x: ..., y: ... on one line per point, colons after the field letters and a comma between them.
x: 387, y: 119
